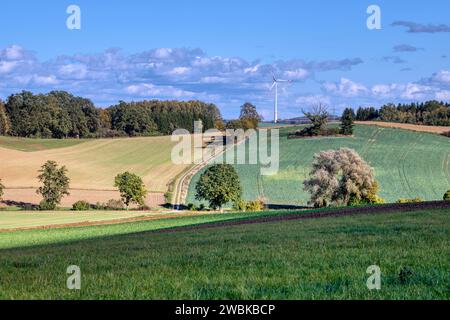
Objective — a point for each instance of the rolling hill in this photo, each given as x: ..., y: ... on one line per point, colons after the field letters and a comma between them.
x: 92, y: 165
x: 407, y: 164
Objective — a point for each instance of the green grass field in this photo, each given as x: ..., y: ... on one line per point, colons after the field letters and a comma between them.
x: 30, y: 145
x: 14, y: 219
x: 305, y: 259
x: 407, y: 164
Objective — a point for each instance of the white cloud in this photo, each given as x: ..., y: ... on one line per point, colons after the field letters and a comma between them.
x: 13, y: 52
x: 442, y: 76
x: 44, y: 80
x: 311, y: 100
x: 345, y: 87
x: 7, y: 66
x: 179, y: 70
x: 298, y: 74
x: 152, y: 91
x: 443, y: 95
x: 163, y: 53
x: 76, y: 71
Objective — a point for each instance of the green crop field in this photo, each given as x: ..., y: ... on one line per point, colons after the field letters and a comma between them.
x: 322, y: 258
x: 407, y: 164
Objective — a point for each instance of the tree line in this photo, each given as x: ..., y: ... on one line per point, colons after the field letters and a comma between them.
x: 433, y: 113
x: 60, y: 114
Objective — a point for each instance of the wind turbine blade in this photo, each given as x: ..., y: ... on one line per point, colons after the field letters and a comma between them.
x: 273, y: 85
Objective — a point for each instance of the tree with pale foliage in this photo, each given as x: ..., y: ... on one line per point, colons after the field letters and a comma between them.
x: 341, y: 177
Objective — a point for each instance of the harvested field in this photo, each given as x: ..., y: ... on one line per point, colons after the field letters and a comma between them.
x: 92, y: 166
x: 407, y: 126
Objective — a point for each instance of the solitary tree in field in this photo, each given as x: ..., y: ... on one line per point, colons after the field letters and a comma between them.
x: 55, y: 184
x: 318, y: 115
x: 341, y: 177
x: 131, y: 188
x: 1, y: 189
x: 347, y: 119
x: 218, y: 185
x: 249, y: 117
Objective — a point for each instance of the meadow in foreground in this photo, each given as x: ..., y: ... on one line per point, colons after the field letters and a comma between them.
x: 310, y: 259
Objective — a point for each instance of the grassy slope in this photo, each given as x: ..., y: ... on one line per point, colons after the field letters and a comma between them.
x: 313, y: 259
x: 30, y: 145
x: 407, y: 164
x: 94, y: 164
x: 41, y: 237
x: 29, y: 219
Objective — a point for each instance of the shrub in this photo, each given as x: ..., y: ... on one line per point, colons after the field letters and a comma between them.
x: 81, y: 206
x: 145, y: 207
x: 192, y: 207
x: 447, y: 195
x: 240, y: 205
x: 47, y: 206
x: 413, y: 200
x: 255, y: 205
x: 114, y: 204
x: 100, y: 206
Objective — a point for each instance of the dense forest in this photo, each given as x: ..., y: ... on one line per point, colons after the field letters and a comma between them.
x: 431, y: 113
x: 59, y: 114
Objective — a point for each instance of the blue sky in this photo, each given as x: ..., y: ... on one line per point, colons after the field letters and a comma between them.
x: 223, y: 51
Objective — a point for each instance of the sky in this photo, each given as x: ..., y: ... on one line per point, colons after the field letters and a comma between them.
x: 225, y: 52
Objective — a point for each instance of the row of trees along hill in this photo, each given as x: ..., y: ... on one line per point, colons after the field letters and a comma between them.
x: 431, y: 113
x: 59, y: 114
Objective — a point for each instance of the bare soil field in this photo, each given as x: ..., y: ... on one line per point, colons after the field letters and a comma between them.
x: 407, y: 126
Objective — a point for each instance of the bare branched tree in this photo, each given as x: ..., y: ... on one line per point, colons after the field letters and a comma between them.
x: 318, y: 115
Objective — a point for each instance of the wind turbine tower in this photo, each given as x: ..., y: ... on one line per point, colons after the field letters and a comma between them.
x: 275, y: 109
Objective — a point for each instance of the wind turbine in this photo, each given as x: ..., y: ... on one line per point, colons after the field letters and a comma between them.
x: 275, y: 84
